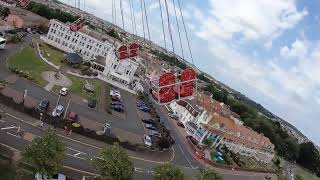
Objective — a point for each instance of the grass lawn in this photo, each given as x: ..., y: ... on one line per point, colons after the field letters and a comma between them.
x: 78, y: 83
x: 52, y: 54
x: 27, y: 60
x: 305, y: 175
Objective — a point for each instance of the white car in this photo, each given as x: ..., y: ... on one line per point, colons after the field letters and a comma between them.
x: 115, y: 93
x: 58, y: 111
x: 147, y: 140
x: 63, y: 91
x: 55, y: 177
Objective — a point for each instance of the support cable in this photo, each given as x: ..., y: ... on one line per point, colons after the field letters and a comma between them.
x: 185, y: 30
x: 121, y: 9
x: 178, y: 28
x: 163, y: 31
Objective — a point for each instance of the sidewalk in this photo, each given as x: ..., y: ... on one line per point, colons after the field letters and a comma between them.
x: 157, y: 157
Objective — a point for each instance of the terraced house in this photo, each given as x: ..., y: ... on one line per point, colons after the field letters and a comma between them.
x: 213, y: 120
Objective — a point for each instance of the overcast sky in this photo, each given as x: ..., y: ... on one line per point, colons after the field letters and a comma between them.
x: 268, y: 50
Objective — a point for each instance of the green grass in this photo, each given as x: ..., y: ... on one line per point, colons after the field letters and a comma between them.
x: 78, y: 83
x: 305, y: 175
x: 52, y: 54
x: 27, y: 60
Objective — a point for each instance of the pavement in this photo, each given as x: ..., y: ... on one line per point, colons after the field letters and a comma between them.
x: 81, y: 149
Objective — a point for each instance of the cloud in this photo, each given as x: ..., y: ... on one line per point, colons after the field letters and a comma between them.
x: 259, y: 19
x: 299, y: 49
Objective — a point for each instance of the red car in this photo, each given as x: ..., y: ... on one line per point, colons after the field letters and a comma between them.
x: 267, y: 177
x: 72, y: 116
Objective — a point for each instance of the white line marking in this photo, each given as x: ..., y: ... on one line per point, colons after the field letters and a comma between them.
x: 75, y: 156
x: 14, y: 135
x: 187, y: 158
x: 10, y: 127
x: 65, y: 112
x: 2, y: 121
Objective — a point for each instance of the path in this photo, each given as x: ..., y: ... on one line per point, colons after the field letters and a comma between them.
x: 102, y: 101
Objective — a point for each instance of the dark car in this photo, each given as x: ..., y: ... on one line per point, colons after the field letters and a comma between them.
x: 140, y: 104
x: 180, y: 124
x: 149, y: 121
x: 116, y: 103
x: 150, y: 126
x: 144, y: 109
x: 117, y: 108
x: 92, y: 103
x: 43, y: 105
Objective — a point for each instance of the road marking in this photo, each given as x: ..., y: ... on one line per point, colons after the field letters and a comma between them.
x: 65, y: 112
x: 77, y: 153
x: 14, y: 135
x: 10, y: 127
x: 75, y: 156
x: 192, y: 167
x: 133, y: 157
x: 2, y: 121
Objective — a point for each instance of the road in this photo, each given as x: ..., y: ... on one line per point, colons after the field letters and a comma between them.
x: 78, y: 154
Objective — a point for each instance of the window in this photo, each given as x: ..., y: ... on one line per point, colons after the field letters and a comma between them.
x: 115, y: 66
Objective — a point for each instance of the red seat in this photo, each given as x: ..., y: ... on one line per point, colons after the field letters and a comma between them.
x: 186, y: 89
x: 77, y: 25
x: 165, y: 94
x: 134, y: 46
x: 122, y: 55
x: 133, y: 53
x: 122, y: 48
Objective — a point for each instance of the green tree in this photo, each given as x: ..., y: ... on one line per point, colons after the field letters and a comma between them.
x: 207, y: 142
x: 208, y: 174
x: 309, y: 157
x: 168, y: 171
x: 114, y: 164
x: 46, y: 153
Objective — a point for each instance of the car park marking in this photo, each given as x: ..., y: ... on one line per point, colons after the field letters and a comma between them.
x: 77, y: 153
x: 17, y: 136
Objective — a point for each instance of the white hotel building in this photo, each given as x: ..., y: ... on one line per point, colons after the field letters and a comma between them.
x: 95, y: 48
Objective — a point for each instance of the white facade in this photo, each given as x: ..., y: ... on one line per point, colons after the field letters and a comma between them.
x: 60, y: 36
x: 217, y: 135
x: 100, y: 53
x: 121, y: 71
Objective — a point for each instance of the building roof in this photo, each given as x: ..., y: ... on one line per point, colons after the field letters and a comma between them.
x: 223, y: 124
x: 73, y: 58
x: 191, y: 106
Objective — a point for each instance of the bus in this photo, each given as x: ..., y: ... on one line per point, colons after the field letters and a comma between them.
x: 2, y: 43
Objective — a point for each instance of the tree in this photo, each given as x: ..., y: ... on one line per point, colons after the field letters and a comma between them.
x: 114, y: 163
x: 168, y: 171
x: 208, y: 174
x: 46, y: 153
x: 309, y: 157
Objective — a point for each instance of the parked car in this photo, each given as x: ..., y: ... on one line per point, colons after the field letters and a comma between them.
x: 147, y: 140
x: 39, y: 176
x: 118, y: 108
x: 149, y: 121
x: 115, y: 93
x: 73, y: 116
x: 154, y: 133
x: 43, y: 105
x: 150, y: 126
x: 116, y: 98
x: 267, y: 177
x: 63, y: 91
x: 140, y: 103
x: 144, y: 109
x: 173, y: 116
x: 117, y: 103
x: 57, y: 111
x: 180, y: 124
x: 92, y: 103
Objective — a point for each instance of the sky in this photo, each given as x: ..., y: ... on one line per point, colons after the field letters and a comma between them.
x: 267, y: 50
